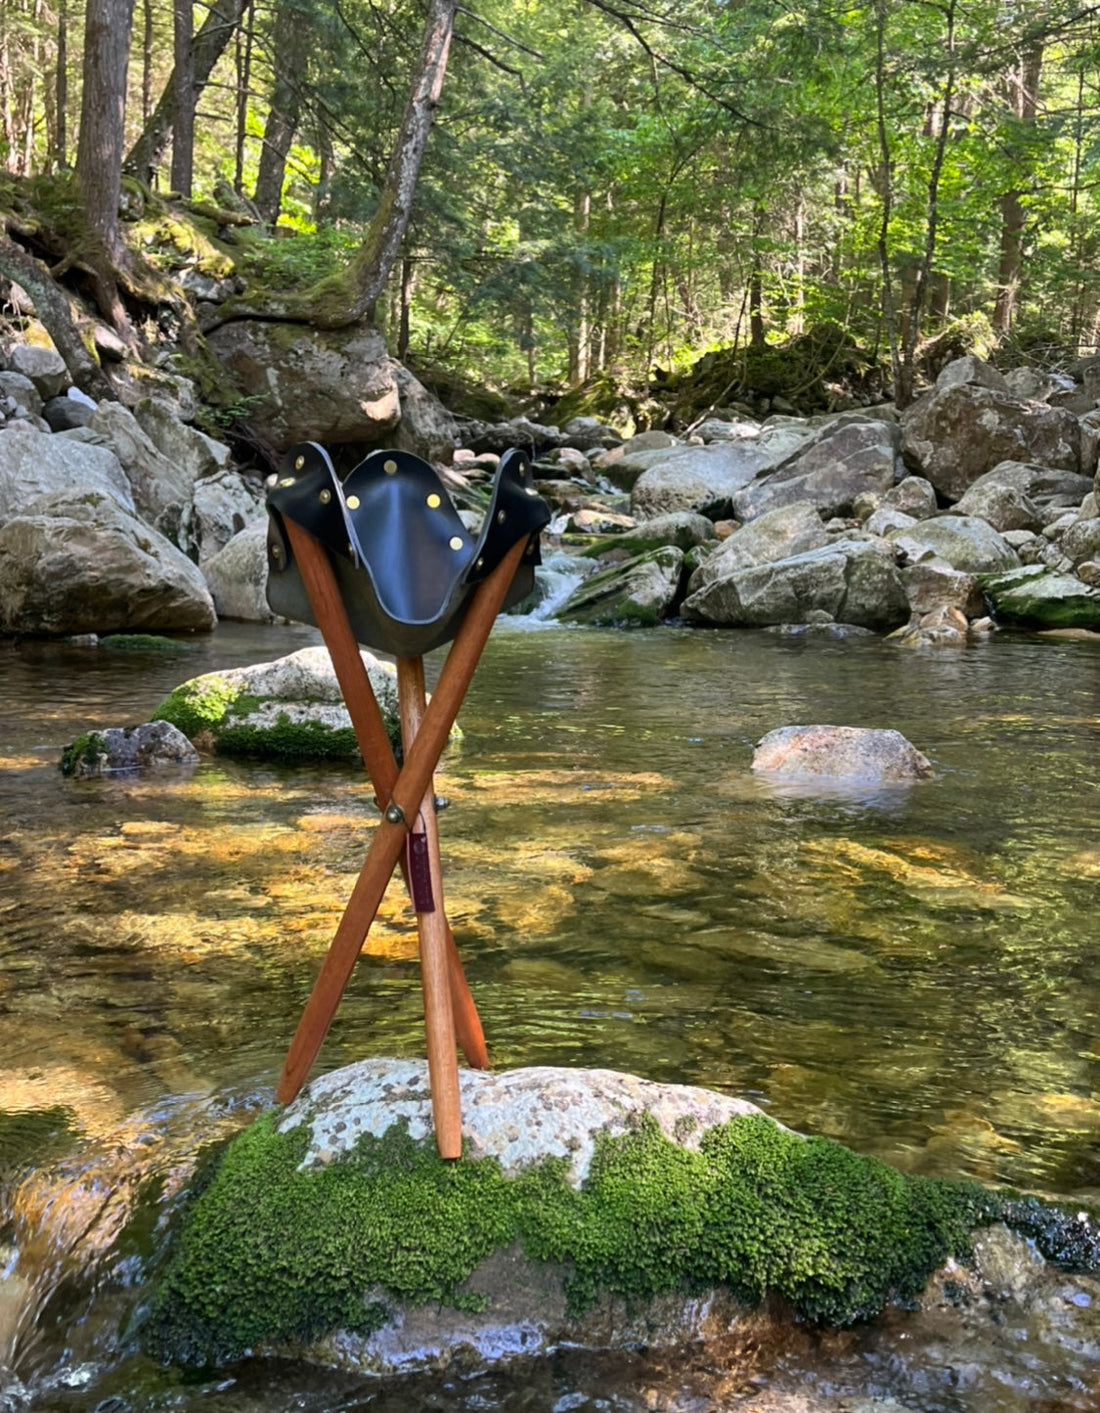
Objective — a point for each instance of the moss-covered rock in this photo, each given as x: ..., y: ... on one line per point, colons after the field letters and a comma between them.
x: 1038, y: 597
x: 638, y: 593
x: 291, y: 1240
x: 289, y: 709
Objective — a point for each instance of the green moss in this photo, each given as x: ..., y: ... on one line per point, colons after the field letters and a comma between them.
x: 288, y: 740
x: 269, y: 1253
x: 82, y: 756
x: 200, y: 706
x: 143, y: 643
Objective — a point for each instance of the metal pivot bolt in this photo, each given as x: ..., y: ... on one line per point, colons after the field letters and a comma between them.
x: 394, y: 814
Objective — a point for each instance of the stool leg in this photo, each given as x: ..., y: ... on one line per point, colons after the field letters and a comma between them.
x: 374, y: 745
x: 431, y: 924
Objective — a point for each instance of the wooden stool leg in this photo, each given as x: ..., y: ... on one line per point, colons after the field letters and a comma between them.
x: 389, y: 838
x: 426, y: 881
x: 374, y: 745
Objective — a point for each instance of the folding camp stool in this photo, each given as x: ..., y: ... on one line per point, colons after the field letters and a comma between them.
x: 383, y: 559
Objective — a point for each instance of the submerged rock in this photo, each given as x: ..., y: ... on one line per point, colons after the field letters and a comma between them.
x: 155, y: 743
x: 590, y: 1207
x: 290, y: 708
x: 1042, y: 598
x: 638, y: 593
x: 841, y: 752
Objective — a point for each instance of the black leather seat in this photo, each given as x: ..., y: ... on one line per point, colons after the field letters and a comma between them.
x: 405, y: 564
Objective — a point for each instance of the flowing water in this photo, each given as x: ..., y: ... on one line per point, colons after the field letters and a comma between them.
x: 911, y: 971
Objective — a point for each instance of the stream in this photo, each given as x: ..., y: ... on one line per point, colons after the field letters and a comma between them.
x: 910, y: 970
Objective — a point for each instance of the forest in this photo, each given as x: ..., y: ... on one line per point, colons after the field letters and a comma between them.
x: 610, y: 190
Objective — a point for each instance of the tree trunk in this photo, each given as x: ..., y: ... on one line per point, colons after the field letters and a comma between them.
x: 757, y: 338
x: 244, y: 78
x: 1024, y: 99
x: 99, y: 151
x: 183, y: 85
x: 289, y: 42
x: 580, y: 332
x: 351, y: 295
x: 61, y: 86
x: 214, y: 34
x: 52, y: 307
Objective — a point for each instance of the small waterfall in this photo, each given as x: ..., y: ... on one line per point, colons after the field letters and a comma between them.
x: 555, y: 579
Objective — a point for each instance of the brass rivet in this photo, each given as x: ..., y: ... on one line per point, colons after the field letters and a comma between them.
x: 456, y: 542
x: 271, y: 480
x: 529, y: 550
x: 351, y: 549
x: 480, y: 562
x: 530, y: 490
x: 522, y: 466
x: 326, y: 496
x: 501, y: 517
x: 434, y: 501
x: 353, y: 502
x: 276, y: 552
x: 389, y: 467
x: 299, y: 462
x: 287, y: 481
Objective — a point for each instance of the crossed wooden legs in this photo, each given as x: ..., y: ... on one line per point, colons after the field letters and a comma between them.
x: 408, y: 797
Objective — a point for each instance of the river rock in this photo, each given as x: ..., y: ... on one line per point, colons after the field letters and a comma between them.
x: 237, y: 576
x: 85, y: 565
x: 153, y: 744
x: 955, y: 434
x: 1038, y: 597
x: 289, y: 709
x: 221, y: 507
x: 848, y: 581
x: 589, y: 434
x: 683, y: 529
x: 193, y: 453
x: 311, y: 385
x: 34, y: 464
x: 426, y: 427
x: 932, y: 585
x: 71, y: 409
x: 841, y: 752
x: 777, y: 534
x: 684, y: 478
x: 590, y: 1208
x: 638, y: 593
x: 962, y: 540
x: 43, y: 366
x: 972, y: 370
x: 914, y: 496
x: 1042, y: 485
x: 1000, y: 505
x: 158, y: 484
x: 23, y: 394
x: 839, y: 463
x: 1081, y: 540
x: 886, y: 519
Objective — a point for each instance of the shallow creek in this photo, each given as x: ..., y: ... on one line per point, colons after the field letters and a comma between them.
x: 911, y: 971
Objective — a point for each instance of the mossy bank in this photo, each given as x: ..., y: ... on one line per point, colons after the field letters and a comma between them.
x: 283, y: 1248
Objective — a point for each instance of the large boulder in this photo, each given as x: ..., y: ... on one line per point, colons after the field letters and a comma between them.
x: 683, y: 528
x: 848, y: 581
x: 590, y: 1208
x: 83, y: 564
x: 841, y: 462
x: 962, y: 540
x: 956, y: 433
x: 34, y: 464
x: 43, y: 366
x: 237, y: 576
x: 289, y: 709
x: 221, y: 507
x: 426, y: 428
x: 841, y: 753
x: 684, y: 478
x: 1037, y: 597
x: 310, y: 385
x: 158, y: 484
x: 1000, y: 505
x: 1044, y: 486
x: 638, y: 593
x: 191, y: 452
x: 777, y: 534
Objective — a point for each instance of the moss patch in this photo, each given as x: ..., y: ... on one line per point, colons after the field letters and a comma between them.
x: 143, y: 643
x: 199, y: 707
x: 83, y: 756
x: 268, y: 1253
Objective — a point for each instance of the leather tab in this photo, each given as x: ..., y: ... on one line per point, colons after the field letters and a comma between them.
x: 420, y: 874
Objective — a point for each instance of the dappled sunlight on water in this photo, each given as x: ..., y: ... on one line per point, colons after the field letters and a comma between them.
x: 910, y: 971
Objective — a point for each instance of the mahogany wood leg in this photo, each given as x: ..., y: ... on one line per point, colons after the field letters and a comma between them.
x: 427, y: 893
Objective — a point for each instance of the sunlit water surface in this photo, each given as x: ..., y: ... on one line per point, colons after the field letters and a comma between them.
x: 911, y: 971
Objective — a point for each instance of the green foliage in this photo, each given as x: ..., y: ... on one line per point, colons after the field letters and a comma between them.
x: 270, y: 1252
x: 199, y: 706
